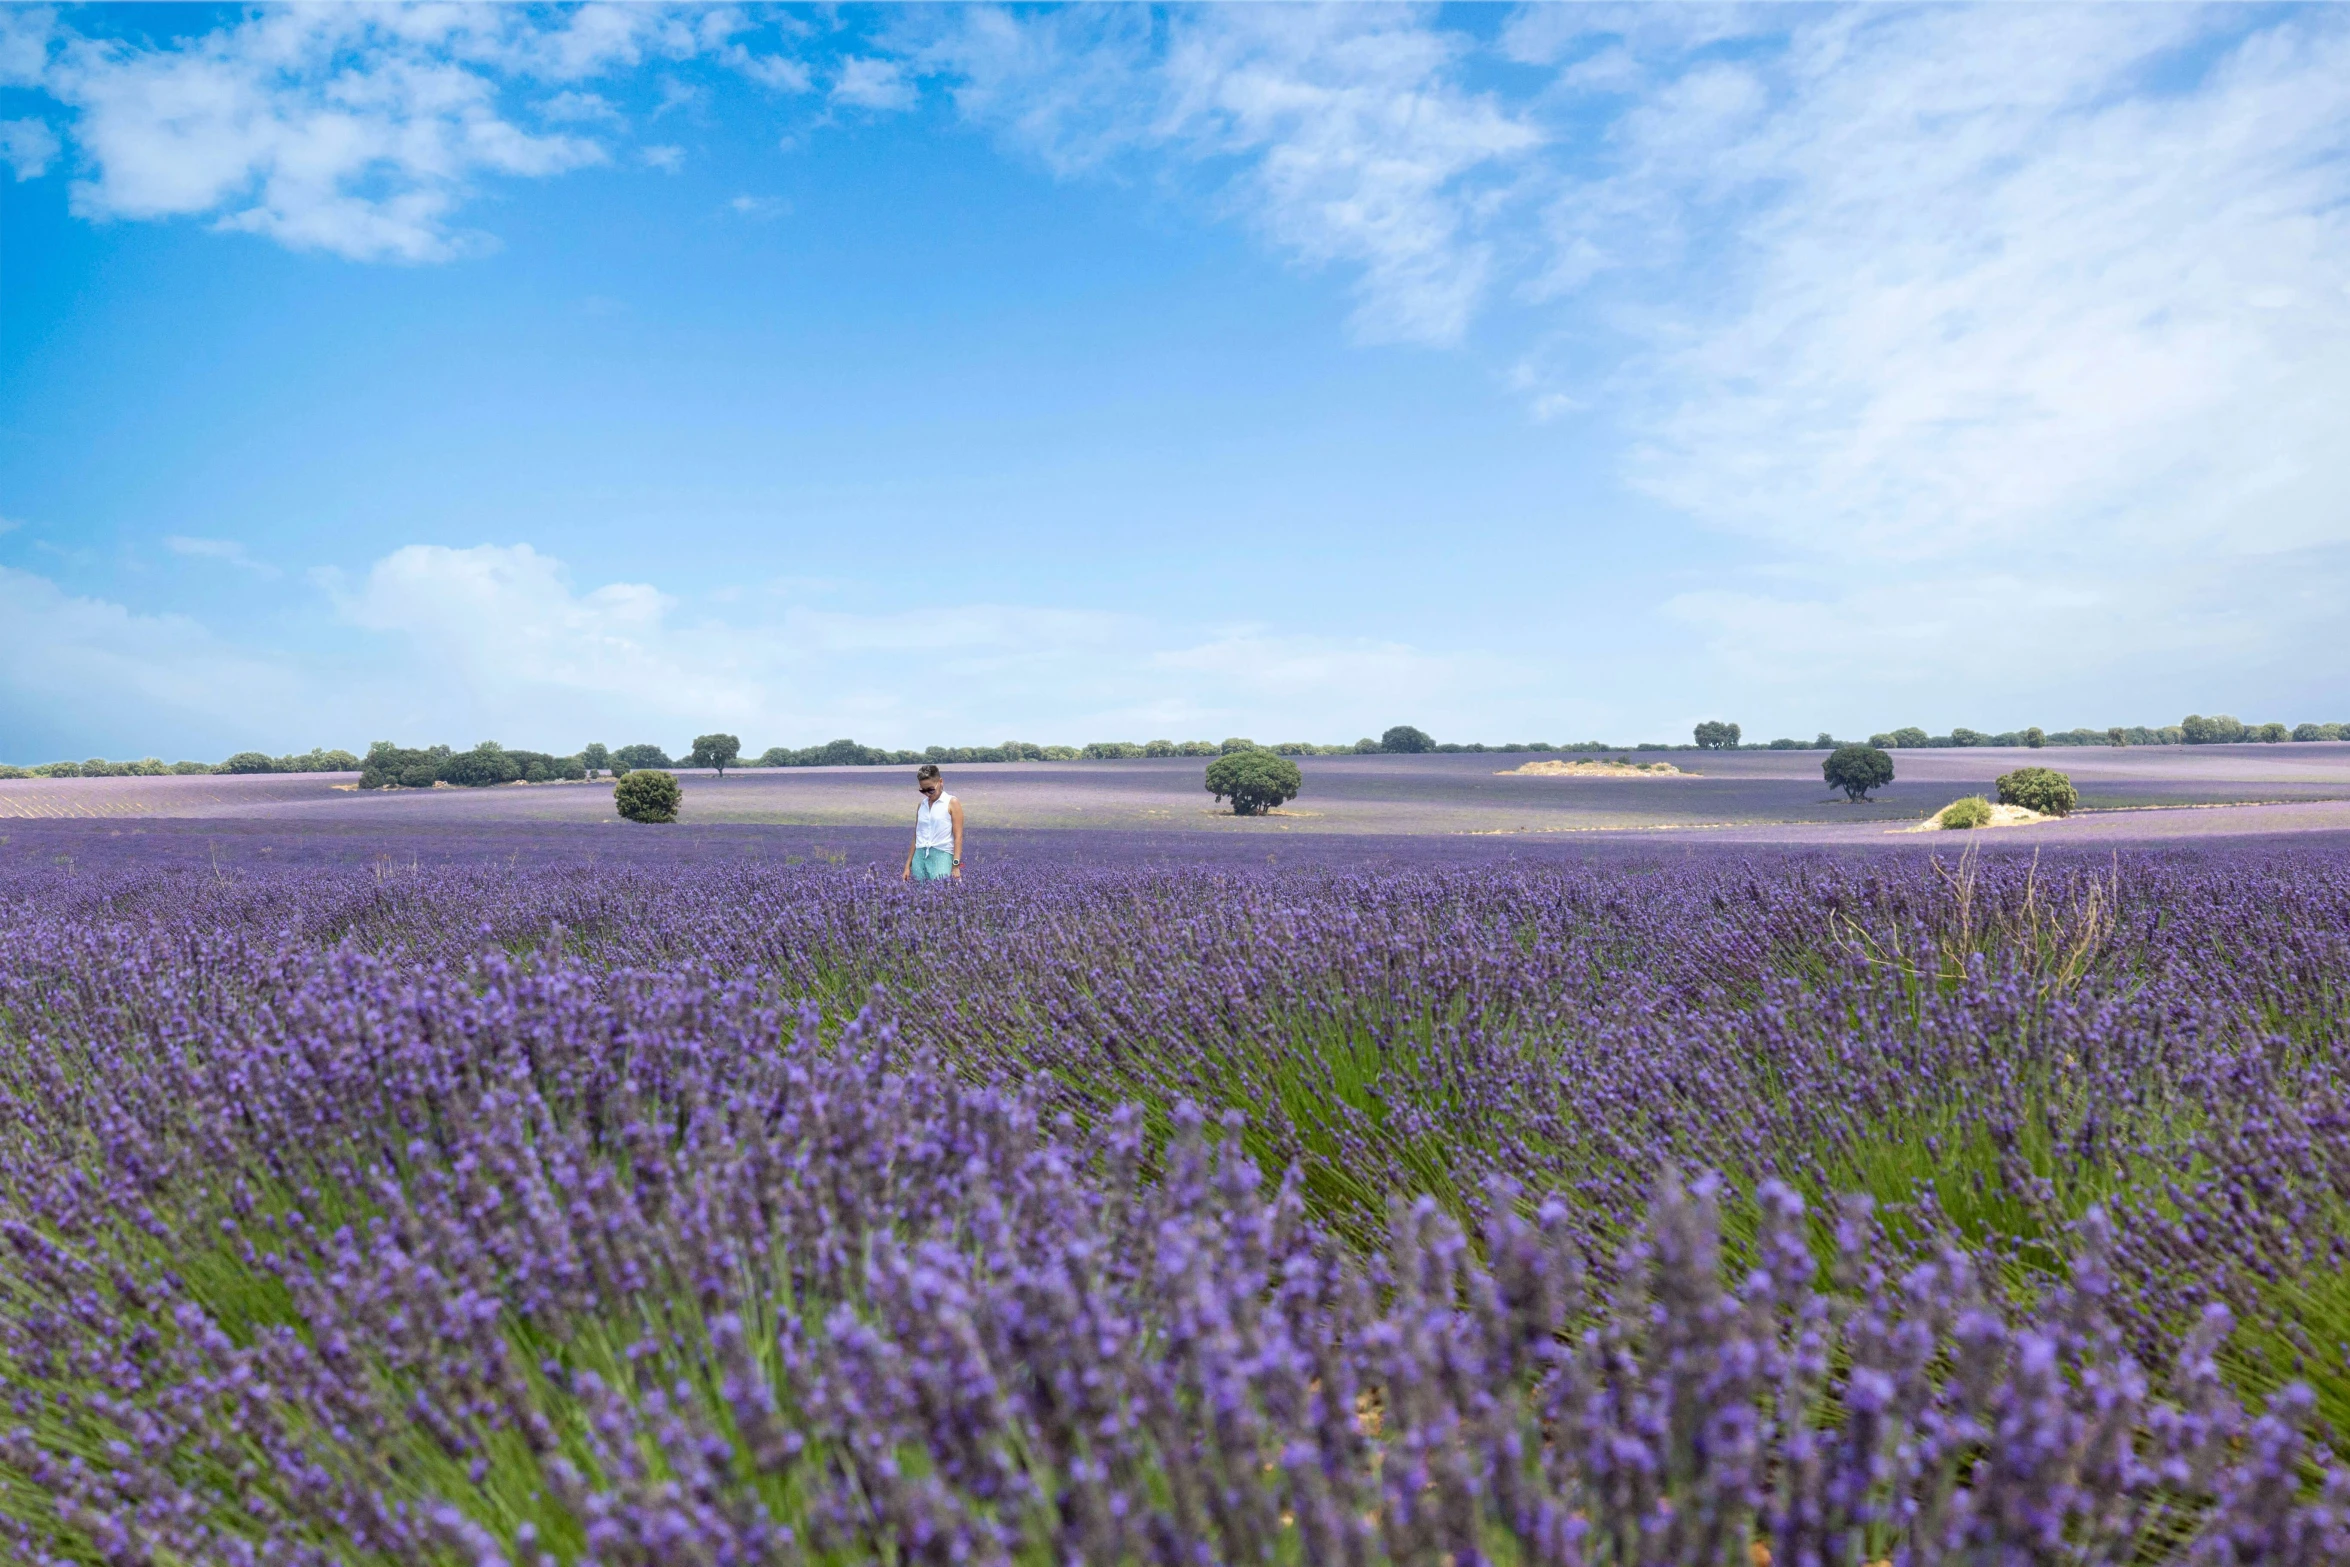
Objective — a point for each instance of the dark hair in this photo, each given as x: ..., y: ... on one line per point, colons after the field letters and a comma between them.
x: 927, y: 770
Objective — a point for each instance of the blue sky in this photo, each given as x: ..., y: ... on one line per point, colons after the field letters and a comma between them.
x: 942, y: 376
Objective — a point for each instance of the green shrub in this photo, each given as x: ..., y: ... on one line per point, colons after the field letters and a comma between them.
x: 2041, y: 789
x: 647, y: 795
x: 1158, y: 748
x: 1856, y: 769
x: 1233, y: 745
x: 247, y: 762
x: 1255, y: 781
x: 635, y: 756
x: 1406, y: 739
x: 1973, y: 811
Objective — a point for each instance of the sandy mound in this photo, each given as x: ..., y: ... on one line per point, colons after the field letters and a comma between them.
x: 2001, y: 816
x: 1593, y: 770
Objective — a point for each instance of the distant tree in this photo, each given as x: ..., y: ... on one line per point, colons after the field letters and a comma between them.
x: 1856, y: 769
x: 2222, y: 730
x: 248, y: 762
x: 1110, y: 750
x: 1199, y: 748
x: 1255, y: 781
x: 1234, y: 745
x: 1406, y: 740
x: 647, y: 795
x: 2041, y: 789
x: 1969, y: 737
x: 1366, y: 746
x: 2036, y: 737
x: 1158, y: 748
x: 594, y: 758
x: 486, y: 765
x: 2269, y: 734
x: 2317, y: 731
x: 2117, y: 737
x: 1910, y: 738
x: 1715, y: 736
x: 632, y: 757
x: 1825, y: 742
x: 716, y: 752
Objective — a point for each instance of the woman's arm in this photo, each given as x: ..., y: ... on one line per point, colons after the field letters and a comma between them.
x: 955, y: 814
x: 908, y: 873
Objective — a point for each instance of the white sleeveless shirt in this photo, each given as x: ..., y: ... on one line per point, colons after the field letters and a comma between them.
x: 934, y: 824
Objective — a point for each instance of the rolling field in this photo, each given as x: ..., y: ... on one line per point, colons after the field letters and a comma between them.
x: 452, y: 1177
x: 1754, y: 796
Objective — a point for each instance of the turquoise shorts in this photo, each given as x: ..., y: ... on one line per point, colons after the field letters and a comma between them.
x: 933, y: 864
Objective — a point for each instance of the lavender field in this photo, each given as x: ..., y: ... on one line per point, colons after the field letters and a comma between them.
x: 524, y: 1192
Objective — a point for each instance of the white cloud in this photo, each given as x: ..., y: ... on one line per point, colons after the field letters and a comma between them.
x: 1351, y: 136
x: 665, y: 158
x: 867, y: 82
x: 570, y: 107
x: 504, y: 632
x: 777, y: 72
x: 227, y: 551
x: 758, y: 206
x: 27, y: 146
x: 67, y: 658
x: 346, y: 130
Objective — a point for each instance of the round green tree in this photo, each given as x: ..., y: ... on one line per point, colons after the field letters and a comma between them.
x: 1856, y: 769
x: 1254, y: 781
x: 1403, y: 738
x: 2041, y: 789
x: 647, y: 795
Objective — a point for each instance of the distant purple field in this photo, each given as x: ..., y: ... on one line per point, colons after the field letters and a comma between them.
x: 1743, y: 797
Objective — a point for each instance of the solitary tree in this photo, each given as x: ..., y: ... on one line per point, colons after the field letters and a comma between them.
x: 594, y: 758
x: 716, y: 751
x: 647, y: 795
x: 1713, y: 736
x: 1856, y: 769
x: 1407, y: 740
x: 1254, y: 781
x: 2041, y: 789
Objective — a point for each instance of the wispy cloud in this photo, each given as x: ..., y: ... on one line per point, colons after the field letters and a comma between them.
x: 668, y: 159
x: 1349, y: 136
x: 227, y: 551
x: 28, y: 147
x: 867, y: 82
x: 758, y: 206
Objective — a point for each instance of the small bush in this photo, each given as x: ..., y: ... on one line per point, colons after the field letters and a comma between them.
x: 647, y: 795
x: 1856, y: 769
x: 1973, y: 811
x: 2041, y: 789
x: 1255, y: 781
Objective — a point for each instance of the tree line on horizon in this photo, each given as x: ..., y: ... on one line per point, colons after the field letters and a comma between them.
x: 387, y: 765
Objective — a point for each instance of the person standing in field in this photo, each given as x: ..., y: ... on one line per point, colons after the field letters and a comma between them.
x: 938, y: 830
